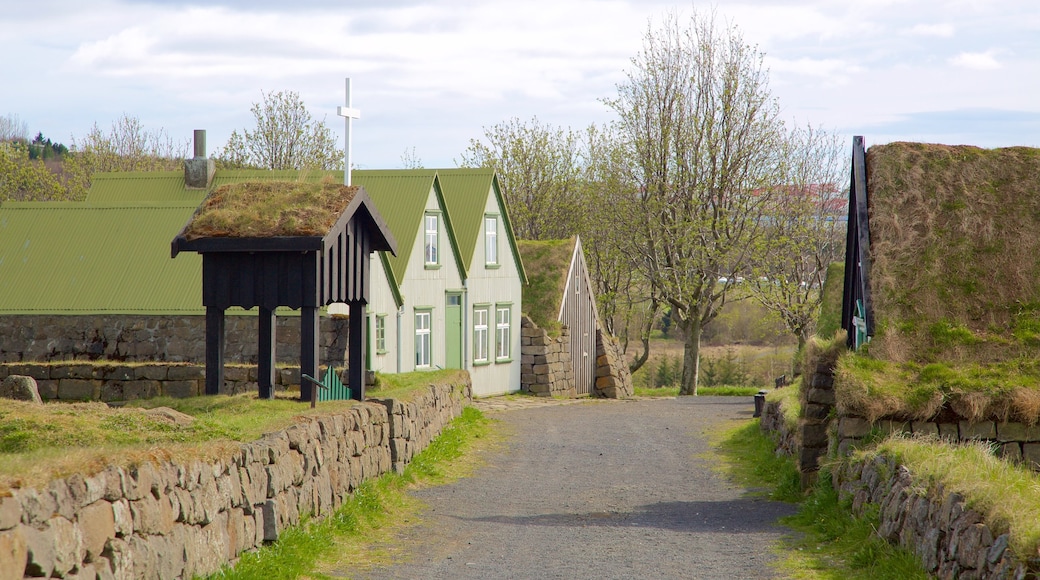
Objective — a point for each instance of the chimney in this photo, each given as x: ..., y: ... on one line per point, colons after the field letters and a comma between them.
x: 198, y: 171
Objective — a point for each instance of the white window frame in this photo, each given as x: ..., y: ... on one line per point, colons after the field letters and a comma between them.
x: 491, y: 240
x: 431, y: 238
x: 423, y: 338
x: 480, y: 334
x: 503, y: 331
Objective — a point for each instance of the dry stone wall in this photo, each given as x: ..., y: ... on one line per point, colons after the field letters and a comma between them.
x: 950, y: 540
x: 613, y: 379
x: 123, y: 382
x: 155, y: 338
x: 178, y: 520
x: 773, y: 423
x: 545, y: 362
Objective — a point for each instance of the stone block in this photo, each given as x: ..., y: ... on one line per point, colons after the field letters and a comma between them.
x: 10, y: 513
x: 48, y: 389
x: 887, y: 426
x: 822, y: 381
x: 235, y: 373
x: 78, y: 389
x: 20, y: 388
x: 1017, y: 432
x: 924, y: 428
x: 97, y: 524
x: 949, y: 431
x: 117, y: 373
x: 180, y: 389
x: 112, y: 391
x: 1012, y: 451
x: 154, y: 372
x: 185, y: 372
x: 14, y: 552
x: 816, y: 412
x: 814, y: 435
x: 980, y: 430
x: 1031, y: 454
x: 144, y: 389
x: 853, y: 427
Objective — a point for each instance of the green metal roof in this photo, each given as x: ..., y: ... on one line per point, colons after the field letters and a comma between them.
x: 84, y: 258
x: 150, y: 186
x: 400, y: 196
x: 465, y: 193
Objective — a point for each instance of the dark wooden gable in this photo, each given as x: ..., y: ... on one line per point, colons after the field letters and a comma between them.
x: 857, y: 312
x: 298, y: 272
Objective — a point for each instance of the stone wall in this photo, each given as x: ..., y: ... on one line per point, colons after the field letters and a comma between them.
x: 950, y: 540
x: 180, y: 520
x: 155, y: 338
x: 545, y: 362
x: 613, y: 379
x: 817, y: 401
x: 1013, y: 441
x: 773, y: 422
x: 123, y: 382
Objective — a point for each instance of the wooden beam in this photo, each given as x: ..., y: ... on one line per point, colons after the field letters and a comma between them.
x: 266, y: 353
x: 308, y: 349
x: 214, y: 350
x: 357, y: 348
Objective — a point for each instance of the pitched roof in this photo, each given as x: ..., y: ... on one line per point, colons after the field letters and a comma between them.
x: 466, y: 192
x: 549, y: 263
x: 145, y: 186
x: 401, y: 195
x: 79, y: 258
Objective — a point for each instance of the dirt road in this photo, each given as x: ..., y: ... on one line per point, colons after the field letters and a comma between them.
x: 602, y: 489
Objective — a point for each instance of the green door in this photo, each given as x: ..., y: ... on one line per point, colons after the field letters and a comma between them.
x: 453, y: 331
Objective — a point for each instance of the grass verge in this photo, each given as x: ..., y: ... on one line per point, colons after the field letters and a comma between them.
x: 828, y: 541
x: 361, y: 532
x: 1007, y: 495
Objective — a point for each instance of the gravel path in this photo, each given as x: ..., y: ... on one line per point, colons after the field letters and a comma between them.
x: 614, y: 489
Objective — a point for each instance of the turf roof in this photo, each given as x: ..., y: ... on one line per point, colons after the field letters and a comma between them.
x: 547, y: 263
x: 260, y: 209
x: 955, y: 251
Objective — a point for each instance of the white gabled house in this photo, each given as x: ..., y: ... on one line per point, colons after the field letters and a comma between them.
x: 494, y: 278
x: 416, y: 313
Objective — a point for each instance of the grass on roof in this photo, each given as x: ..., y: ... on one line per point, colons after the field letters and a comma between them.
x: 954, y: 250
x: 260, y: 209
x: 546, y: 263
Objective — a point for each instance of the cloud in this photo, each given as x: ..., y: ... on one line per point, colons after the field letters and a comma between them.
x: 944, y: 30
x: 976, y: 60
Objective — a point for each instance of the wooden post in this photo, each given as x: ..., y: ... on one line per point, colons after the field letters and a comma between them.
x: 214, y: 350
x: 308, y: 349
x: 358, y: 346
x: 266, y: 353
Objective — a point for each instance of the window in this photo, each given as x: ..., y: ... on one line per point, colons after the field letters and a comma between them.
x: 422, y: 339
x: 502, y: 350
x: 431, y: 238
x: 491, y: 239
x: 480, y: 334
x: 380, y: 333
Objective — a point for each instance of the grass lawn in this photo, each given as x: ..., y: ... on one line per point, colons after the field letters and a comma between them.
x: 40, y: 443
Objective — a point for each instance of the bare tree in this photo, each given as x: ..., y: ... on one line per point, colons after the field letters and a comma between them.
x: 627, y: 304
x: 705, y: 136
x: 13, y: 129
x: 804, y: 233
x: 286, y: 136
x: 538, y: 167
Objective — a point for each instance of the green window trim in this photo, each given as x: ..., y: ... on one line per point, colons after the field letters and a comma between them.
x: 423, y: 332
x: 481, y: 334
x: 503, y: 332
x: 431, y: 238
x: 380, y: 334
x: 491, y: 236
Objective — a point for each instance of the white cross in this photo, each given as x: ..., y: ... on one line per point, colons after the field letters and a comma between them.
x: 350, y: 114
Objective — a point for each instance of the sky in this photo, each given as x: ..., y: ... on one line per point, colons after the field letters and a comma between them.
x: 429, y: 77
